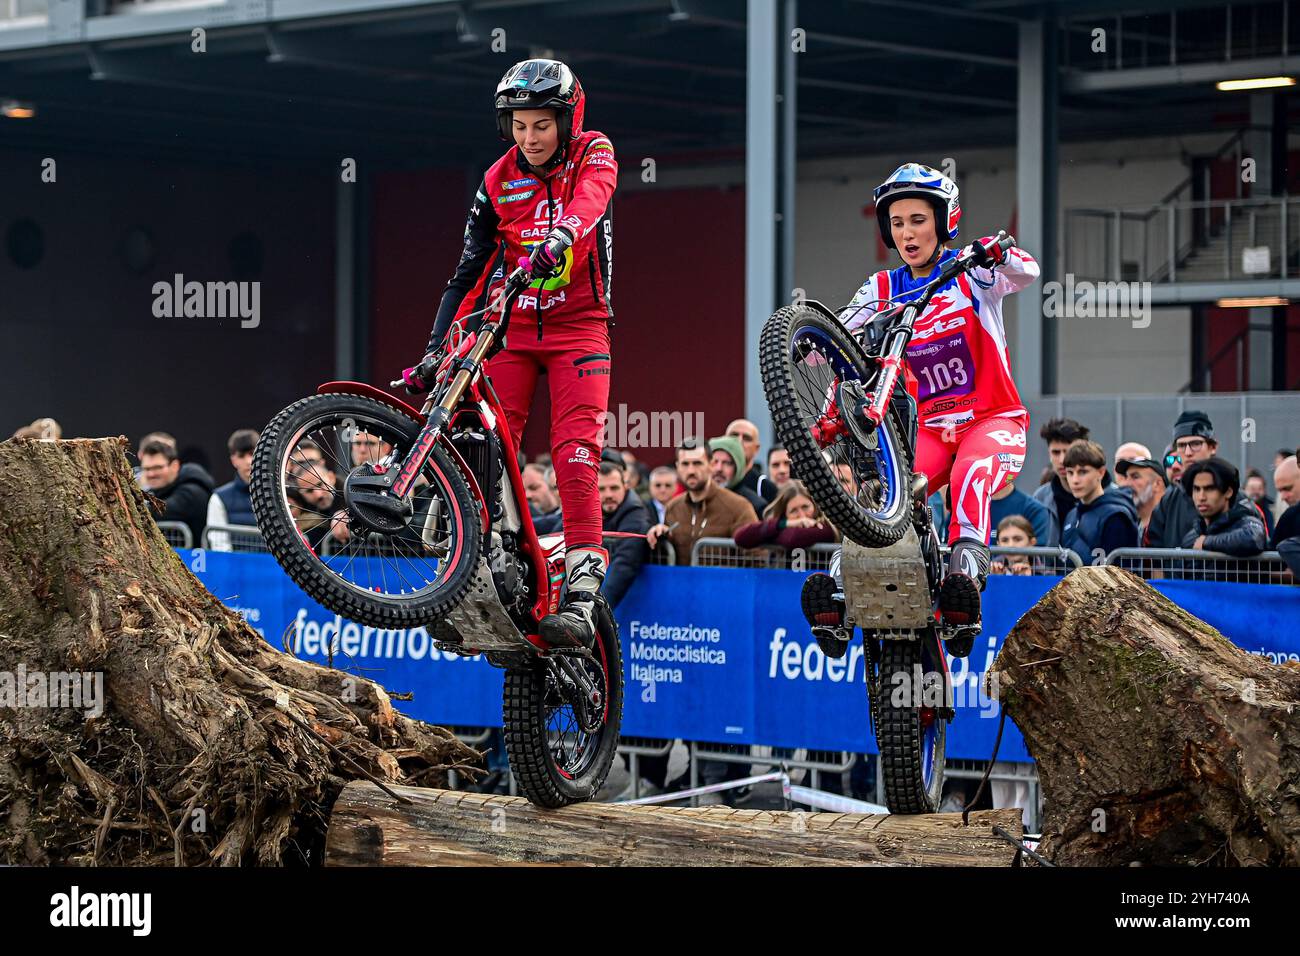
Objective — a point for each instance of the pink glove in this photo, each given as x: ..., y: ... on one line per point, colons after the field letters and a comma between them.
x: 547, y: 257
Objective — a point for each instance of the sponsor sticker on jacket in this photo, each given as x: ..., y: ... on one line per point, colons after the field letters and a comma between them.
x: 515, y: 197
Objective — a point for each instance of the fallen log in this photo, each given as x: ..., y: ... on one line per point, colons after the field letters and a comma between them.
x: 1158, y: 741
x: 448, y: 828
x: 179, y: 735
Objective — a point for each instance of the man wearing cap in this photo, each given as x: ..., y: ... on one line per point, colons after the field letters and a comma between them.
x: 1176, y: 514
x: 751, y: 476
x: 1130, y: 449
x: 1145, y: 480
x: 726, y: 464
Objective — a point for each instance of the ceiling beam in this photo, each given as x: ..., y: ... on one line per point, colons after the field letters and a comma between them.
x: 1100, y: 81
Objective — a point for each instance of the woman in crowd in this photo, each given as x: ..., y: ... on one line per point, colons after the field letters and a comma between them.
x: 792, y: 520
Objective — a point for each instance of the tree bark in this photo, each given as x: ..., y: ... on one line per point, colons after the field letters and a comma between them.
x: 1158, y: 741
x: 196, y: 757
x: 441, y: 827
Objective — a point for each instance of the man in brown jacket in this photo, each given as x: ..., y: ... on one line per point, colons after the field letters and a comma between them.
x: 704, y: 510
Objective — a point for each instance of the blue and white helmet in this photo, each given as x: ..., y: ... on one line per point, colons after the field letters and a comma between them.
x: 921, y: 182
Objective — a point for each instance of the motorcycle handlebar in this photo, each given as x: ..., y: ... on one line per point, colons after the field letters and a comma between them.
x: 516, y: 282
x: 1001, y: 242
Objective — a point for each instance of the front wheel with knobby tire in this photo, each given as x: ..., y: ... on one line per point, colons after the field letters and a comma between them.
x: 362, y: 554
x: 816, y: 377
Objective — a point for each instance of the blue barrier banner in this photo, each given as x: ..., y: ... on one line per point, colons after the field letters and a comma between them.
x: 711, y: 654
x: 1259, y: 618
x: 448, y: 689
x: 729, y: 655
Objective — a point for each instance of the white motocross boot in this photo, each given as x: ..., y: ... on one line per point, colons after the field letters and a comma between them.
x: 575, y: 624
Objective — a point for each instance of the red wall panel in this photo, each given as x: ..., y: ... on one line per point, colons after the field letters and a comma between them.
x: 679, y: 306
x: 417, y: 230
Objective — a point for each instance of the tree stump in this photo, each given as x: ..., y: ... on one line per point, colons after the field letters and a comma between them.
x: 1158, y: 741
x: 441, y: 828
x: 198, y: 756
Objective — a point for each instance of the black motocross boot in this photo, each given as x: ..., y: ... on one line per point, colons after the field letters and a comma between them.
x: 822, y: 602
x: 959, y: 596
x: 575, y: 624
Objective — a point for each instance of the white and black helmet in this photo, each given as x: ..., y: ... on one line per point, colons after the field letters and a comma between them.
x: 917, y: 181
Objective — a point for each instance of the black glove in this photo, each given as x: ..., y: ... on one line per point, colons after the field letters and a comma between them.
x: 986, y: 255
x: 547, y: 258
x: 977, y: 255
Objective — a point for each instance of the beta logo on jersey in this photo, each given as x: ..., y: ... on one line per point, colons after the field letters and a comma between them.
x: 940, y: 327
x: 1010, y: 439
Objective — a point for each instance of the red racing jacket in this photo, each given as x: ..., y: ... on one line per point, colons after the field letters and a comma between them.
x: 514, y: 209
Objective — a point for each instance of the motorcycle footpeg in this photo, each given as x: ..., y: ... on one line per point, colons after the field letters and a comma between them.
x: 563, y: 651
x: 833, y: 641
x: 959, y: 641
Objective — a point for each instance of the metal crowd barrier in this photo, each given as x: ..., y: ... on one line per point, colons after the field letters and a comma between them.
x: 1185, y: 564
x: 234, y: 537
x: 776, y: 758
x: 1032, y: 561
x: 480, y: 737
x: 725, y: 553
x: 644, y: 747
x: 177, y: 534
x: 786, y: 759
x: 665, y: 553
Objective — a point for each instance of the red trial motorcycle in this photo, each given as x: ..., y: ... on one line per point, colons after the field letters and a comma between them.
x: 398, y: 518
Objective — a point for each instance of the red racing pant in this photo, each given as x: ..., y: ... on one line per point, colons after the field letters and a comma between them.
x: 576, y: 362
x: 974, y: 463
